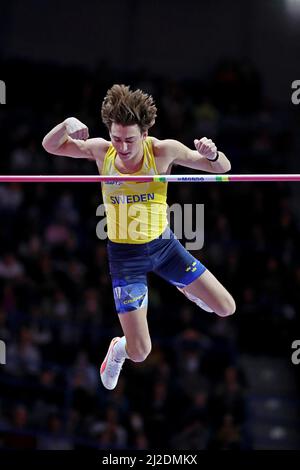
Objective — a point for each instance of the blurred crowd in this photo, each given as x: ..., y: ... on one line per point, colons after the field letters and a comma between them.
x: 56, y: 305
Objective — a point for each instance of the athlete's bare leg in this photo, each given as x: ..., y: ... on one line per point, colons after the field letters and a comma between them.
x: 134, y: 345
x: 136, y: 331
x: 207, y: 288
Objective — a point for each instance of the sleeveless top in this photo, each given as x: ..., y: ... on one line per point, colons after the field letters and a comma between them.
x: 136, y: 212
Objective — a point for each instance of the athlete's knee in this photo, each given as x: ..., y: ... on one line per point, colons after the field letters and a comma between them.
x: 226, y: 306
x: 139, y: 350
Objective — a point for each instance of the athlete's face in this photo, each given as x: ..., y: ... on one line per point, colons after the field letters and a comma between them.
x: 127, y: 140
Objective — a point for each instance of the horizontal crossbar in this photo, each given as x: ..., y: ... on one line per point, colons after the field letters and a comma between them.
x: 196, y: 178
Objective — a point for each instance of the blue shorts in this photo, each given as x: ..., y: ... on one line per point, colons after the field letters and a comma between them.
x: 130, y: 263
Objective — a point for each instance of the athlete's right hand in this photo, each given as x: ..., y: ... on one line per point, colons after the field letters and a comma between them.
x: 76, y: 129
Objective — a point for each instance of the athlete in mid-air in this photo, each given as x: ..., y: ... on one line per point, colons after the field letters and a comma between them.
x: 140, y: 240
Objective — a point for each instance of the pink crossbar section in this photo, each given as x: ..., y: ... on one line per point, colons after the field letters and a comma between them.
x: 253, y: 178
x: 69, y: 178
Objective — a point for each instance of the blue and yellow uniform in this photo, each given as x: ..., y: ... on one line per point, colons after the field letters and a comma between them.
x: 140, y: 240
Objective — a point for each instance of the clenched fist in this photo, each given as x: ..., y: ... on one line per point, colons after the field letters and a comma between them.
x: 206, y: 148
x: 76, y: 129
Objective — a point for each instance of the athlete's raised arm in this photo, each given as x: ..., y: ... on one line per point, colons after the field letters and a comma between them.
x: 206, y: 157
x: 70, y: 139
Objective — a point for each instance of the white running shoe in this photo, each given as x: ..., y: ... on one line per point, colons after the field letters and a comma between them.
x: 197, y: 301
x: 110, y: 368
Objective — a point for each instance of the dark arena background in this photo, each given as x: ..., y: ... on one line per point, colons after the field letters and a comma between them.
x: 226, y: 70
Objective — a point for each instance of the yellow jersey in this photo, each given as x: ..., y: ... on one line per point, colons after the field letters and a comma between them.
x: 136, y: 212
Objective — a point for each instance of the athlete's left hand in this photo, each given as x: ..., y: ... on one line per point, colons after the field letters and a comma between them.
x: 206, y: 148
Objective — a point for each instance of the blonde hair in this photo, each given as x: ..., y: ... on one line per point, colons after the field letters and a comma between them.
x: 126, y: 107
